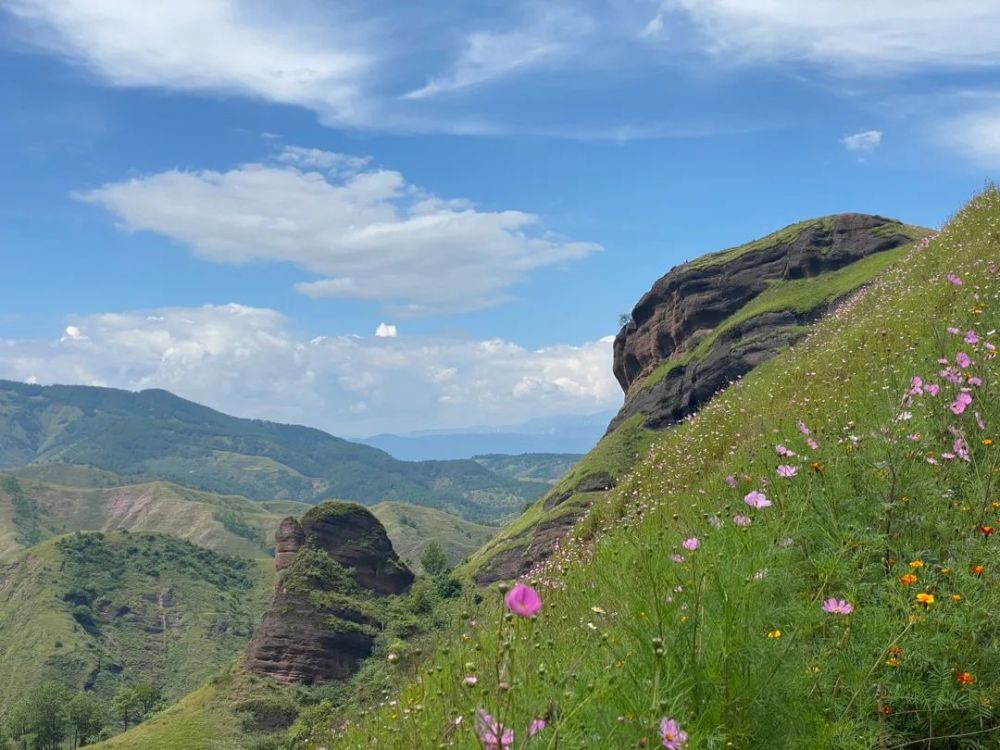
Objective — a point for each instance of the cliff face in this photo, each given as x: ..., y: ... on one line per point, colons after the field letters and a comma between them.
x: 690, y: 302
x: 701, y: 326
x: 333, y: 567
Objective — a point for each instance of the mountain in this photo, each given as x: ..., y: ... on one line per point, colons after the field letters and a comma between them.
x: 97, y: 611
x: 154, y: 434
x: 530, y: 467
x: 546, y: 435
x: 412, y: 527
x: 810, y: 561
x: 702, y: 326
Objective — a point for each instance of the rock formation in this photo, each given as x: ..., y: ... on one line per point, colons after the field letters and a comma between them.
x: 335, y: 568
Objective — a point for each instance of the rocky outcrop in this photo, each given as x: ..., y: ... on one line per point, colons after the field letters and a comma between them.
x: 693, y: 299
x: 335, y: 568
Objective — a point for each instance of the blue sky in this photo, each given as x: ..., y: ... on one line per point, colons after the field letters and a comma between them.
x: 228, y: 201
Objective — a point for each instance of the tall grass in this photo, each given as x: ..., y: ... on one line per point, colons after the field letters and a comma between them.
x: 895, y: 497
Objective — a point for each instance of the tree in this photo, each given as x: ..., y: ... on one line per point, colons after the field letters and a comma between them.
x: 433, y: 560
x: 85, y: 718
x: 46, y: 713
x: 147, y: 696
x: 125, y: 705
x: 18, y: 722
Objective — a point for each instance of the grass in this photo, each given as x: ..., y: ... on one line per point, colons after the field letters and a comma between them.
x: 731, y: 640
x: 412, y: 527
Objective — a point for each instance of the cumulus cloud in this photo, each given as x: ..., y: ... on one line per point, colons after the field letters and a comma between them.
x: 366, y: 234
x: 864, y: 142
x: 976, y: 134
x: 248, y: 361
x: 227, y: 46
x: 869, y: 37
x: 385, y: 330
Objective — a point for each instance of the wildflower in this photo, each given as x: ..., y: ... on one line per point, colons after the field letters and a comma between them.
x: 945, y: 571
x: 787, y: 471
x: 677, y: 558
x: 954, y: 279
x: 731, y: 480
x: 392, y: 658
x: 916, y: 385
x: 962, y: 360
x: 757, y: 499
x: 956, y: 598
x: 974, y: 381
x: 817, y: 467
x: 907, y: 579
x: 492, y: 734
x: 971, y: 338
x: 672, y: 735
x: 953, y: 331
x: 536, y: 726
x: 802, y: 428
x: 892, y: 661
x: 932, y: 389
x: 471, y: 680
x: 924, y: 598
x: 691, y: 544
x: 523, y: 600
x: 979, y: 421
x: 976, y: 569
x: 783, y: 451
x: 760, y: 575
x: 916, y: 564
x: 965, y: 679
x: 836, y: 606
x: 962, y: 400
x: 986, y: 441
x: 813, y: 445
x: 774, y: 634
x: 741, y: 520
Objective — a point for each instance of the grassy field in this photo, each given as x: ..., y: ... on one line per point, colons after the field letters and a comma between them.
x: 856, y: 608
x: 412, y: 527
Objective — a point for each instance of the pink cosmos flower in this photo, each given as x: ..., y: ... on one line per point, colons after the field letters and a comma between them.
x: 953, y: 331
x: 951, y: 375
x: 954, y: 279
x: 971, y: 337
x: 979, y: 421
x: 962, y: 400
x: 536, y: 726
x: 523, y: 600
x: 731, y: 480
x: 961, y: 449
x: 975, y: 382
x: 757, y: 499
x: 783, y: 451
x: 677, y: 558
x: 803, y: 429
x: 672, y: 735
x: 813, y: 445
x: 962, y: 360
x: 741, y: 520
x: 492, y: 734
x: 471, y: 680
x: 932, y: 389
x: 691, y: 544
x: 838, y: 606
x: 787, y: 471
x: 916, y: 385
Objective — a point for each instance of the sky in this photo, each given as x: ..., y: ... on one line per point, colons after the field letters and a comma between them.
x: 404, y: 216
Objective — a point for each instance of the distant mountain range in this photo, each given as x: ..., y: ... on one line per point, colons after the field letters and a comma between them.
x: 142, y: 436
x: 567, y: 435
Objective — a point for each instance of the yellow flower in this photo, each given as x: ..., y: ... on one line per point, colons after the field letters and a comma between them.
x: 924, y: 598
x: 987, y: 441
x: 916, y: 564
x: 892, y: 661
x: 774, y: 634
x: 945, y: 571
x: 956, y: 597
x: 907, y: 579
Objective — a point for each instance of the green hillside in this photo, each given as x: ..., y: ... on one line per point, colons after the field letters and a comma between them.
x: 155, y: 435
x: 856, y: 608
x: 530, y: 467
x: 98, y: 611
x: 412, y: 527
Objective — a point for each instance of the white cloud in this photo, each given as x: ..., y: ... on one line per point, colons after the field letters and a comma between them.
x: 976, y: 135
x: 72, y: 333
x: 869, y: 37
x: 864, y: 142
x: 367, y: 235
x: 489, y: 55
x: 227, y: 46
x: 328, y: 161
x: 248, y: 362
x: 386, y: 331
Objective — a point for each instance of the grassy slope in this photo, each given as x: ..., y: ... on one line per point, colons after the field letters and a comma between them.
x: 529, y: 467
x: 225, y: 523
x: 154, y: 434
x: 749, y: 658
x: 157, y: 609
x: 412, y: 527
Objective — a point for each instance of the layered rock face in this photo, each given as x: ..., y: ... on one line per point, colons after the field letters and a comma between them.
x: 693, y: 299
x: 334, y: 568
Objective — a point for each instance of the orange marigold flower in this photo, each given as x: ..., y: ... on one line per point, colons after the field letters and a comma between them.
x: 987, y: 441
x: 945, y: 571
x: 916, y: 564
x: 892, y: 661
x: 977, y: 570
x: 907, y: 579
x: 774, y: 633
x: 986, y: 530
x: 956, y: 597
x: 925, y: 598
x: 965, y: 678
x: 817, y: 467
x: 895, y: 650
